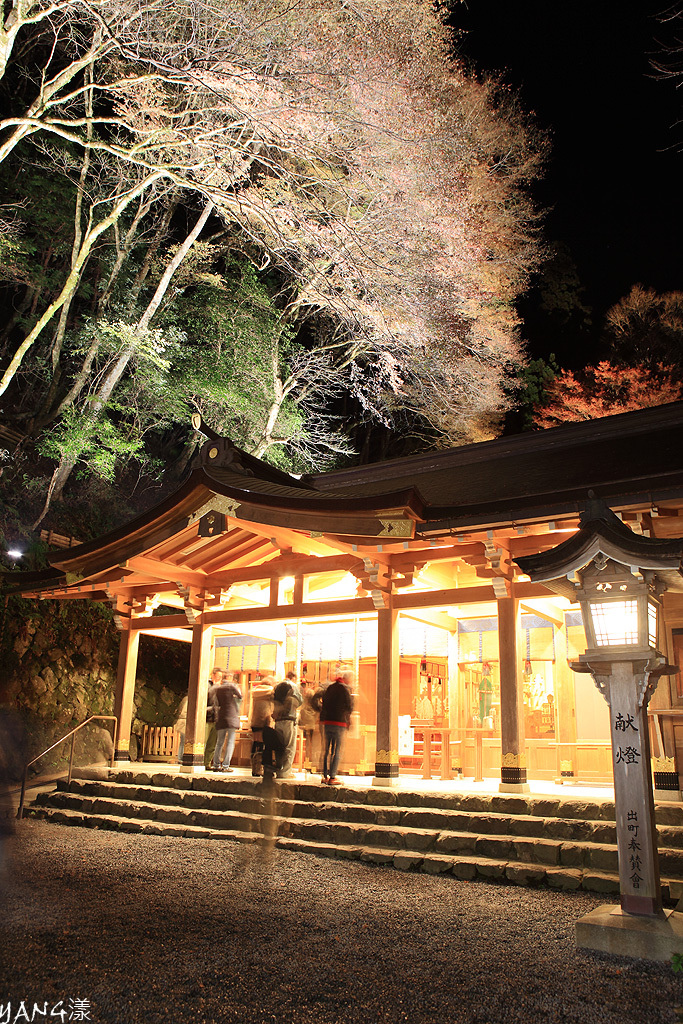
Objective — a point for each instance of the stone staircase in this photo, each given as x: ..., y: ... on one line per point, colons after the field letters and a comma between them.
x: 564, y: 842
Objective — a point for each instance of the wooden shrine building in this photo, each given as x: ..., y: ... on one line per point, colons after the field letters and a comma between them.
x: 404, y: 571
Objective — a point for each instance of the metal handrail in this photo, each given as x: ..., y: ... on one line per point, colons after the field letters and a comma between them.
x: 72, y: 734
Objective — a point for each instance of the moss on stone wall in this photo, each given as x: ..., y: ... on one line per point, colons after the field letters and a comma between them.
x: 58, y: 663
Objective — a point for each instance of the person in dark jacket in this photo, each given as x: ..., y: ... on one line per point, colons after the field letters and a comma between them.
x: 225, y: 698
x: 274, y: 750
x: 337, y: 705
x: 210, y: 734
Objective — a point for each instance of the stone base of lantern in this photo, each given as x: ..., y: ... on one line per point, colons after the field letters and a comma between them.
x: 609, y: 930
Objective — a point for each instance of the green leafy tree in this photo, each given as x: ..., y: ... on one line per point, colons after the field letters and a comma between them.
x: 534, y: 386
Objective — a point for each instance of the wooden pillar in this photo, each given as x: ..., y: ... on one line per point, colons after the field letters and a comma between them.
x: 280, y: 655
x: 565, y: 711
x: 125, y: 690
x: 195, y: 729
x: 664, y: 761
x: 386, y: 757
x: 456, y: 702
x: 513, y: 762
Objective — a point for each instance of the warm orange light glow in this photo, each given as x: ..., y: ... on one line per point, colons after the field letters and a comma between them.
x: 615, y: 622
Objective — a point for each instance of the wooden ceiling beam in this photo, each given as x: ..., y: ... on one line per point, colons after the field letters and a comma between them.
x: 250, y: 551
x: 174, y: 546
x: 433, y: 617
x: 288, y: 565
x: 164, y: 571
x: 553, y: 614
x: 215, y: 549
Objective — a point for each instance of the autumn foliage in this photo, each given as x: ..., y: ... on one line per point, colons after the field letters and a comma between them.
x: 605, y: 390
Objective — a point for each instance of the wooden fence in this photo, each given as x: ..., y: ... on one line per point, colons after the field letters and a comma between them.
x: 159, y: 743
x: 57, y: 540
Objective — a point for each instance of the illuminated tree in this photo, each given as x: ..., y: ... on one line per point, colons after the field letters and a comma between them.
x: 342, y: 153
x: 646, y: 328
x: 604, y: 390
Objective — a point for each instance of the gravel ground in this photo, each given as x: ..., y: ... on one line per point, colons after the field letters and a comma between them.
x: 154, y: 929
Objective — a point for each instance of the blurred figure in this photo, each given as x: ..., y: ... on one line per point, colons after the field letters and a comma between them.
x: 274, y: 750
x: 337, y: 705
x: 13, y: 757
x: 308, y: 719
x: 317, y: 706
x: 261, y: 711
x: 225, y: 699
x: 180, y: 726
x: 286, y: 700
x: 210, y: 735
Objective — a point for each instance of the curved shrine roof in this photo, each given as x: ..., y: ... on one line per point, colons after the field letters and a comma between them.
x: 259, y: 513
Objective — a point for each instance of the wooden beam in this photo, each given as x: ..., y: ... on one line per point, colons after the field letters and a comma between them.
x: 416, y: 557
x: 553, y: 615
x: 432, y: 617
x: 143, y: 623
x: 166, y: 572
x: 289, y: 538
x: 217, y: 550
x: 534, y: 543
x: 258, y: 548
x: 184, y: 635
x: 287, y: 565
x: 434, y: 598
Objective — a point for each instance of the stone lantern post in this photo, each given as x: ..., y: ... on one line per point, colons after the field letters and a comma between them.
x: 618, y: 577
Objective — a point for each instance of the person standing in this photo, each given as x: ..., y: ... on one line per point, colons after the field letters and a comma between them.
x: 308, y: 719
x: 286, y: 699
x: 337, y: 705
x: 210, y: 734
x: 225, y: 699
x: 261, y: 710
x: 317, y: 705
x: 180, y: 726
x: 273, y: 750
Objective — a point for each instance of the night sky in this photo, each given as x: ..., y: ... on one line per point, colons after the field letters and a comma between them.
x: 613, y: 185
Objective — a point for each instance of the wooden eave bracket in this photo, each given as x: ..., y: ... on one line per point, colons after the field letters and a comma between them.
x: 494, y: 564
x: 122, y: 608
x: 379, y: 581
x: 193, y: 603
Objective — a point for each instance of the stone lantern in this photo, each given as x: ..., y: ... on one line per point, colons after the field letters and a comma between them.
x: 618, y: 578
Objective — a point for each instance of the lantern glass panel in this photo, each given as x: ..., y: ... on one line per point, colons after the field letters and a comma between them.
x: 652, y: 623
x: 615, y: 622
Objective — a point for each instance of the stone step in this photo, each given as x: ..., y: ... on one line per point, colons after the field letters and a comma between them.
x: 460, y: 865
x: 536, y: 806
x: 567, y: 806
x: 250, y: 800
x: 273, y: 817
